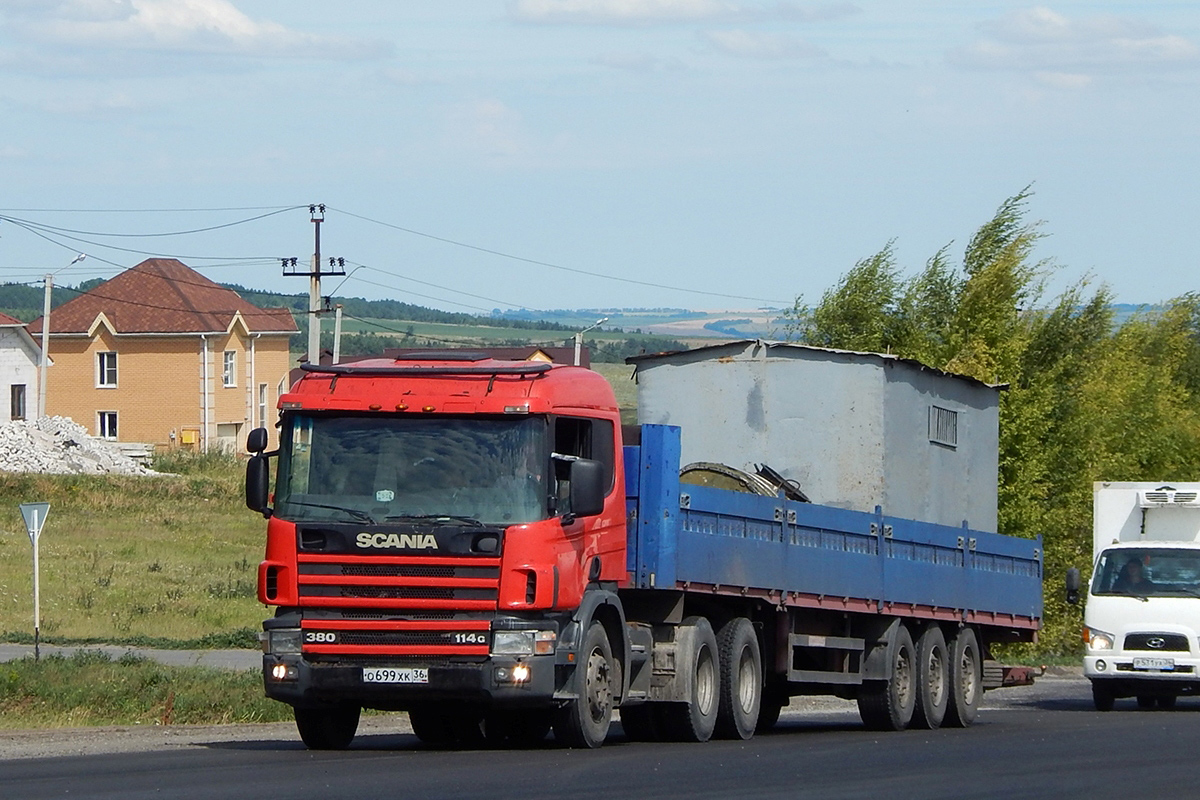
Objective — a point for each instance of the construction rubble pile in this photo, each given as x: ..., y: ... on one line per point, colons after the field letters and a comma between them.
x: 59, y: 445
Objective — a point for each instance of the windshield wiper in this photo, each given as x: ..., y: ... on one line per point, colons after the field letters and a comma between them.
x: 354, y: 512
x: 433, y: 517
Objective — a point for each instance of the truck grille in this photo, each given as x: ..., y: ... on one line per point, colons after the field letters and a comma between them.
x: 1157, y: 642
x: 369, y: 607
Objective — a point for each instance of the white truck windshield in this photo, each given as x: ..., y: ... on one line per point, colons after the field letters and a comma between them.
x: 1148, y: 572
x: 372, y: 468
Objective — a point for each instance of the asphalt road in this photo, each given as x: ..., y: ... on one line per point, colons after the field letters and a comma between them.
x: 1041, y: 741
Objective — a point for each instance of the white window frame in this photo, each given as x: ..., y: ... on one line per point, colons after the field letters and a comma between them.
x: 106, y: 370
x: 262, y: 405
x: 229, y: 369
x: 107, y: 426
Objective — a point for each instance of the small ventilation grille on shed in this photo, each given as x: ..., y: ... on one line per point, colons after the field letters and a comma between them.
x: 1167, y: 497
x: 943, y: 426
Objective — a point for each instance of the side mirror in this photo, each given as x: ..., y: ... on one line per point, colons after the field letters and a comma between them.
x: 256, y: 441
x: 1073, y: 585
x: 257, y: 483
x: 587, y: 487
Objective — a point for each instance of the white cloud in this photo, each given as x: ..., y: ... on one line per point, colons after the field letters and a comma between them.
x: 748, y: 44
x: 1041, y: 40
x: 178, y: 26
x: 647, y: 12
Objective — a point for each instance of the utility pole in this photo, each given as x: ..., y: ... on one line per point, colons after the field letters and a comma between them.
x: 315, y: 273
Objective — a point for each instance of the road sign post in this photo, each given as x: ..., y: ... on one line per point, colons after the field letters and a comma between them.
x: 34, y: 515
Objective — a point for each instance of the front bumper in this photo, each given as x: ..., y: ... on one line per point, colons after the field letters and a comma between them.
x: 482, y: 682
x: 1118, y: 667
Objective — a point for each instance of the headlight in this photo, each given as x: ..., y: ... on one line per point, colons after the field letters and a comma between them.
x: 285, y: 641
x: 1098, y: 640
x: 512, y: 643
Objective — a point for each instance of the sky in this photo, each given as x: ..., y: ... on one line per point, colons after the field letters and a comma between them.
x: 542, y: 154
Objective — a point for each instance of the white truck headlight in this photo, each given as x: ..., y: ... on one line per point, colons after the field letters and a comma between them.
x: 1097, y: 639
x: 512, y: 643
x: 284, y: 641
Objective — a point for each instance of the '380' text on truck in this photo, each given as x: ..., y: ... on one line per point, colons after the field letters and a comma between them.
x: 477, y: 542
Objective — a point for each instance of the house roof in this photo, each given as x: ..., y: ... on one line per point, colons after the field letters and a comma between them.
x: 163, y: 295
x: 6, y: 320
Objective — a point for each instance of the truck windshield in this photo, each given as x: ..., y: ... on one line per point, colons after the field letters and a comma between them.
x: 1148, y: 572
x: 372, y: 468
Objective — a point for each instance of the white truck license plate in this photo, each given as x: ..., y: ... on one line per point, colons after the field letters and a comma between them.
x: 395, y: 675
x: 1154, y: 663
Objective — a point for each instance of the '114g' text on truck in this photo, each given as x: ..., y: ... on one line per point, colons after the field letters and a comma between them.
x: 479, y: 543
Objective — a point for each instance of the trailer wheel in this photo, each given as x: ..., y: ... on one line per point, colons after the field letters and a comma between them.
x: 695, y: 720
x: 640, y: 723
x: 966, y: 680
x: 887, y: 705
x: 1102, y: 696
x: 327, y: 728
x: 741, y: 680
x: 933, y: 679
x: 585, y: 719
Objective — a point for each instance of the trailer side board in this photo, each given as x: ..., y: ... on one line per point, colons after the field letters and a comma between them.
x: 793, y: 553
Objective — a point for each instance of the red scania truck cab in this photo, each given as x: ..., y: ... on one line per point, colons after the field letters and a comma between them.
x: 434, y: 528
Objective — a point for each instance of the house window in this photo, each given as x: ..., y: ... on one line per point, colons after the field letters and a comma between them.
x: 106, y: 370
x: 262, y: 405
x: 229, y: 371
x: 943, y: 426
x: 17, y: 402
x: 106, y: 424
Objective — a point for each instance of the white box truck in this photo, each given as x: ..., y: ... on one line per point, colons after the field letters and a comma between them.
x: 1142, y: 618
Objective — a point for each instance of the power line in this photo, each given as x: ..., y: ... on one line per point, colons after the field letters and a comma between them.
x: 549, y: 264
x: 45, y: 227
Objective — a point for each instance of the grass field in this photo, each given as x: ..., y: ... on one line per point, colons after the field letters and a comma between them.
x: 88, y: 688
x: 129, y: 558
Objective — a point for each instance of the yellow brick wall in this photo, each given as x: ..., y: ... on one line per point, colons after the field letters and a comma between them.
x: 159, y: 384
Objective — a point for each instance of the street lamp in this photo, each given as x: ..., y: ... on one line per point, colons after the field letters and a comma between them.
x: 46, y: 335
x: 579, y: 336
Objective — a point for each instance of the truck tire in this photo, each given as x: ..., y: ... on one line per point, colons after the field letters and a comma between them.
x: 327, y: 728
x: 933, y: 679
x: 1102, y: 696
x: 1166, y: 702
x: 695, y: 720
x: 768, y: 713
x: 1145, y: 701
x: 741, y: 680
x: 966, y: 680
x: 887, y: 705
x: 585, y: 719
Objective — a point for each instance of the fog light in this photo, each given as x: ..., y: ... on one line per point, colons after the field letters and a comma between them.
x: 284, y: 672
x: 520, y: 673
x: 1101, y: 665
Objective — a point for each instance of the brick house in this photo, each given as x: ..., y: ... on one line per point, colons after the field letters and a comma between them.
x: 19, y: 359
x: 161, y: 354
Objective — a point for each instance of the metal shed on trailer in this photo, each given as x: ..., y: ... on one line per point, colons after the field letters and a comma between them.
x: 853, y: 430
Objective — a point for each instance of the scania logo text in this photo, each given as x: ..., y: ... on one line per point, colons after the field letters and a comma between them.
x: 398, y: 541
